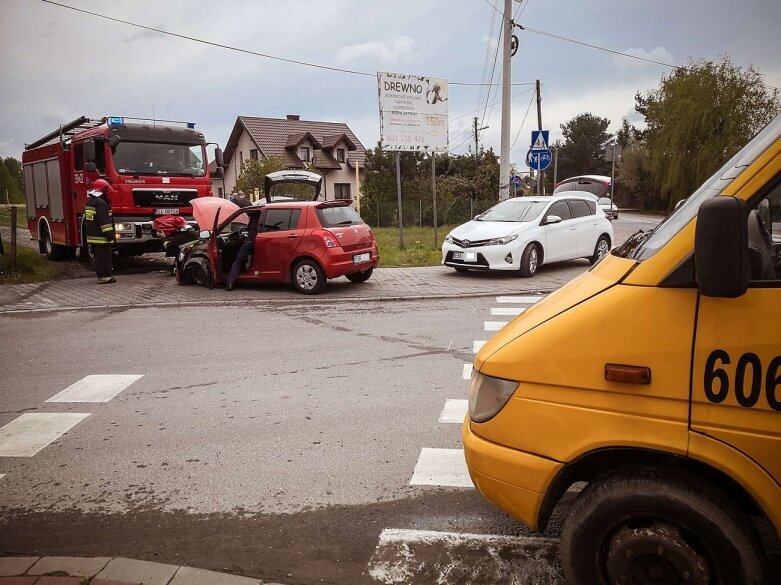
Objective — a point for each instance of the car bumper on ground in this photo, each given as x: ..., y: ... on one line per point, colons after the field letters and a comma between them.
x: 507, y: 257
x: 338, y: 262
x: 512, y: 480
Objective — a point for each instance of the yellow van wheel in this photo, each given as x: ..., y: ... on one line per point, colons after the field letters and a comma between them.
x: 652, y: 527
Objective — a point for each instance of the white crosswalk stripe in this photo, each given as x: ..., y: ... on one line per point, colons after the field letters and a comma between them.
x: 478, y: 345
x: 519, y: 300
x: 454, y: 411
x: 441, y: 467
x: 514, y: 311
x: 95, y: 388
x: 31, y: 432
x: 467, y: 373
x: 427, y: 556
x: 494, y: 325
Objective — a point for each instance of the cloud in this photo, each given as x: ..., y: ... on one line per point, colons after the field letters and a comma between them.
x: 658, y: 54
x: 401, y: 51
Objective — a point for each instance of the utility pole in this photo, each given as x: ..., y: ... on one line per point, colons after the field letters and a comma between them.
x: 477, y: 162
x: 476, y: 131
x: 540, y: 181
x: 504, y: 160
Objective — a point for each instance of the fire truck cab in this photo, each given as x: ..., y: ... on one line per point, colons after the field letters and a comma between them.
x: 155, y: 167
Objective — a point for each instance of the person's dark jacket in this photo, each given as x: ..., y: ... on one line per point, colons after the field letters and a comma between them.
x: 99, y: 221
x: 242, y: 201
x: 173, y: 244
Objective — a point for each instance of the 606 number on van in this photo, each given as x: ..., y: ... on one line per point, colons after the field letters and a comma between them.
x: 748, y: 379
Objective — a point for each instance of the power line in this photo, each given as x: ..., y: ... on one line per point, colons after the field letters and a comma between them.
x: 237, y: 49
x: 493, y: 104
x: 529, y: 107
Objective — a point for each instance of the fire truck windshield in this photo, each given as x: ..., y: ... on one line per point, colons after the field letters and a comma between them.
x: 155, y: 158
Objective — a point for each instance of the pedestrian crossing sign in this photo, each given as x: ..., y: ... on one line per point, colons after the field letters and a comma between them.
x: 539, y: 139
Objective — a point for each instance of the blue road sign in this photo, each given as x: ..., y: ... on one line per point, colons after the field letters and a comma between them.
x: 539, y: 160
x: 539, y: 140
x: 516, y: 180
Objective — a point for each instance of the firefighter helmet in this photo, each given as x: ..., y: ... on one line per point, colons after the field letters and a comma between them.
x: 101, y: 185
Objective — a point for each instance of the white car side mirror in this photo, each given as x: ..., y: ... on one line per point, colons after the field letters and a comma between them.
x: 205, y: 234
x: 552, y: 219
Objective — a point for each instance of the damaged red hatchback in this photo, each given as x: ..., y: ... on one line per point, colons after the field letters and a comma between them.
x: 301, y: 242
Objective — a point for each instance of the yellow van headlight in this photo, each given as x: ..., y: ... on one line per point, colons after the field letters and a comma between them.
x: 488, y: 395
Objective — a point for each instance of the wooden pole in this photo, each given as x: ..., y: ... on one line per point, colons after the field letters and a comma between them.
x: 357, y: 190
x: 13, y: 239
x: 434, y: 194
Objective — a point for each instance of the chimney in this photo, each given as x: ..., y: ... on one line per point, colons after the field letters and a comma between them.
x: 293, y: 117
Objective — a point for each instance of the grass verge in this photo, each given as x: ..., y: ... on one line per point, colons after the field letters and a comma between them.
x: 5, y: 216
x: 31, y: 266
x: 419, y: 247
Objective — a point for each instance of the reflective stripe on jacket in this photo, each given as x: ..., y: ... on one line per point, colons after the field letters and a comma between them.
x: 98, y: 221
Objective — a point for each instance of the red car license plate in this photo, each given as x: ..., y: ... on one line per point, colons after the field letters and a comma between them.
x: 361, y: 258
x: 167, y: 211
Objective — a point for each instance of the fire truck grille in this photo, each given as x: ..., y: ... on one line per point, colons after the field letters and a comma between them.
x: 163, y: 198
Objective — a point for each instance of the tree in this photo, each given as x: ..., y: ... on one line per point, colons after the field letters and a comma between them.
x: 697, y: 119
x: 11, y: 180
x: 253, y: 172
x: 582, y: 150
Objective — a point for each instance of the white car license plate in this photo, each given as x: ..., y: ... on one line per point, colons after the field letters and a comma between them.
x: 361, y: 258
x: 465, y: 256
x: 167, y: 211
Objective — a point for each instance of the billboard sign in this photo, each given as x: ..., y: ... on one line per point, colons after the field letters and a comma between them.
x: 413, y: 112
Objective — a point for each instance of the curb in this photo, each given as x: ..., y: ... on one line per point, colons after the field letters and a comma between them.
x: 261, y: 302
x: 109, y: 571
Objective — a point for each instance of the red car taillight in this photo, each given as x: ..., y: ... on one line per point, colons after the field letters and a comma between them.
x: 328, y: 238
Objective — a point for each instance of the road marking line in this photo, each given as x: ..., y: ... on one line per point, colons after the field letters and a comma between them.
x: 31, y: 432
x: 478, y: 345
x: 507, y: 310
x: 95, y: 388
x: 494, y: 325
x: 441, y: 467
x: 519, y: 300
x: 428, y: 556
x: 467, y: 373
x: 454, y: 411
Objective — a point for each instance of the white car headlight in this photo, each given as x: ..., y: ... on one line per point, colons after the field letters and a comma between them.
x: 449, y: 239
x: 488, y: 395
x: 501, y: 241
x: 123, y: 227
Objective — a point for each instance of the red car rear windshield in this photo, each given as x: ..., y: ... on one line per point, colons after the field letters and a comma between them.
x: 338, y: 216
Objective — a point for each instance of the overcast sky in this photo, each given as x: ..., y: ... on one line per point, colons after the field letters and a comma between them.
x: 58, y: 64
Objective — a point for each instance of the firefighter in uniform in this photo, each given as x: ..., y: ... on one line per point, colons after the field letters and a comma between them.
x: 100, y: 230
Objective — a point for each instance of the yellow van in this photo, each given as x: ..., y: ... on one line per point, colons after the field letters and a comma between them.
x: 656, y: 378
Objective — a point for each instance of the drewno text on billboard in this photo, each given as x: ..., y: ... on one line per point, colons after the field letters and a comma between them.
x: 413, y: 112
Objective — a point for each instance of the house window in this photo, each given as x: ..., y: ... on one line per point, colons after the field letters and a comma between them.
x: 342, y: 190
x: 253, y: 154
x: 305, y: 153
x: 340, y: 154
x: 241, y: 158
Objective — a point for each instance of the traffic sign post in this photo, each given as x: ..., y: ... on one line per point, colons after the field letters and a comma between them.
x: 539, y: 156
x: 539, y: 160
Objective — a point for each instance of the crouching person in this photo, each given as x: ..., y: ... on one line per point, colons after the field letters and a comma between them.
x: 100, y: 230
x: 175, y: 232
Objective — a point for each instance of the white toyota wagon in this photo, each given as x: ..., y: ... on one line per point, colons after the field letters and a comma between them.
x: 523, y: 233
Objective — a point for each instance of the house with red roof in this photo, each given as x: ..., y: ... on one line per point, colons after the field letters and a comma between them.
x: 331, y: 148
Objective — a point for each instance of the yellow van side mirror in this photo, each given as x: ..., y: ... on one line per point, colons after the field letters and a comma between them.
x: 721, y: 257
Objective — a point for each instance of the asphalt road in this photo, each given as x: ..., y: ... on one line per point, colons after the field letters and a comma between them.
x: 277, y: 443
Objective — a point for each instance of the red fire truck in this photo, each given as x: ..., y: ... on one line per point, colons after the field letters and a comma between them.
x: 155, y: 167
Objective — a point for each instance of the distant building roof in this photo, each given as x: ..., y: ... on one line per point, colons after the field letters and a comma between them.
x: 281, y: 137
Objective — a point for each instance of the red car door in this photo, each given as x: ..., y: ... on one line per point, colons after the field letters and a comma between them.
x: 281, y: 232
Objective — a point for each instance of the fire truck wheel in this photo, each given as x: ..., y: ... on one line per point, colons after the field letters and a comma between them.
x: 84, y: 251
x: 652, y: 527
x: 53, y: 251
